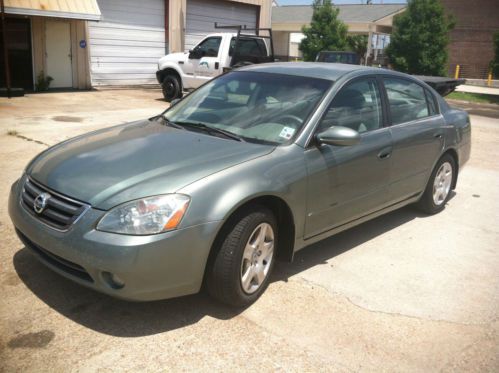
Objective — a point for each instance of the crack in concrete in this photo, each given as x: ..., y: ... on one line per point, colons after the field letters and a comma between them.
x: 22, y: 137
x: 311, y: 283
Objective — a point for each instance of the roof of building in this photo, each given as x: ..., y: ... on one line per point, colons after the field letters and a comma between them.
x: 349, y: 13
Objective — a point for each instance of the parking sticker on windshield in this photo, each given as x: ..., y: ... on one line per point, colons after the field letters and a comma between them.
x: 287, y: 132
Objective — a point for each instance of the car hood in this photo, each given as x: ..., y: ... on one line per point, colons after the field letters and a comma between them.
x: 179, y: 56
x: 119, y: 164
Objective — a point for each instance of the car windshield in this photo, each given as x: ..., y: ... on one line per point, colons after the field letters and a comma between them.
x: 257, y: 107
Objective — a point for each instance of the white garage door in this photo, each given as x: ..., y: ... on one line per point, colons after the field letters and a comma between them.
x: 126, y: 44
x: 202, y: 15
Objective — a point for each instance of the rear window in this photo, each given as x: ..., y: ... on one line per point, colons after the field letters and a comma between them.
x: 348, y: 58
x: 248, y: 47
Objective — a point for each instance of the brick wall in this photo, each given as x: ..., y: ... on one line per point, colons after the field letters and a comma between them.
x: 471, y: 40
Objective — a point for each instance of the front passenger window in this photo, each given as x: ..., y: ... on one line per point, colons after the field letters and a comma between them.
x: 209, y: 47
x: 356, y: 106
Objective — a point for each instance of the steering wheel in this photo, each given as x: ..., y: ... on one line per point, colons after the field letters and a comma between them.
x: 282, y: 120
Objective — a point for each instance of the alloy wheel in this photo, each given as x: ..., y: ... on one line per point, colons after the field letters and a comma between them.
x: 442, y: 183
x: 257, y: 258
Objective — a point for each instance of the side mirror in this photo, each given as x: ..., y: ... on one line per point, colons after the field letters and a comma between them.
x: 339, y: 136
x: 174, y: 102
x: 194, y: 54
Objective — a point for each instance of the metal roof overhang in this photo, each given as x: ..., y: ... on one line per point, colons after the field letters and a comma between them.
x: 76, y: 9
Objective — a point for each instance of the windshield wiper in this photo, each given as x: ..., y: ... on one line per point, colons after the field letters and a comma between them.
x: 167, y: 121
x: 210, y: 130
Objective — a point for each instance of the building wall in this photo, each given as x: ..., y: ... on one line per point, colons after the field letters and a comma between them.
x: 80, y: 64
x: 471, y: 40
x: 177, y: 19
x: 281, y: 43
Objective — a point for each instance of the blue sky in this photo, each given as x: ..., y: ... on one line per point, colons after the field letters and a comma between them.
x: 304, y: 2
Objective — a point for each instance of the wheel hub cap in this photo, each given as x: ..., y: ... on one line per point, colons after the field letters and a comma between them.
x: 257, y: 258
x: 442, y: 183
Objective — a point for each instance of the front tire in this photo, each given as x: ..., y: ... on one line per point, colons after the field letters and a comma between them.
x: 243, y: 262
x: 438, y: 189
x: 172, y: 88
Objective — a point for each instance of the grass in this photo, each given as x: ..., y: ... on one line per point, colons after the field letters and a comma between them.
x: 478, y: 98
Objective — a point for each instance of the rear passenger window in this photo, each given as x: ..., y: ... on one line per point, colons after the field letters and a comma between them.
x: 432, y: 107
x: 407, y: 100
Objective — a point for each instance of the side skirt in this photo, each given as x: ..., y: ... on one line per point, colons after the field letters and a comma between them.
x: 301, y: 243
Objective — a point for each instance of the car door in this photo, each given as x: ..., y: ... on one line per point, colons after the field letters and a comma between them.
x: 207, y: 48
x: 348, y: 182
x: 207, y: 66
x: 417, y: 133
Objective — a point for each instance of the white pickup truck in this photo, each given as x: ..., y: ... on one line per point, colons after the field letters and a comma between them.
x: 178, y: 72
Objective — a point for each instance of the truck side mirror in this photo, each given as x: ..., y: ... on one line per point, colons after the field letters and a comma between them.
x: 194, y: 54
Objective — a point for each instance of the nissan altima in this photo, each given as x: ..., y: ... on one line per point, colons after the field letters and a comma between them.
x: 249, y: 168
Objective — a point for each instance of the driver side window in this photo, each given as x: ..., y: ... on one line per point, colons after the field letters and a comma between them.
x: 356, y: 106
x: 209, y: 47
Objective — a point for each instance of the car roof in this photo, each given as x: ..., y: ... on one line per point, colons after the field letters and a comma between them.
x: 321, y: 70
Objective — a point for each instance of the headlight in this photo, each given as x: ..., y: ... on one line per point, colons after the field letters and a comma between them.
x: 146, y: 216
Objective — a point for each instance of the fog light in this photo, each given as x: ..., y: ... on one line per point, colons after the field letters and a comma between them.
x: 113, y: 280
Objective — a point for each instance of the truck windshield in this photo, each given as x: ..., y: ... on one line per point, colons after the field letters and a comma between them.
x: 260, y: 107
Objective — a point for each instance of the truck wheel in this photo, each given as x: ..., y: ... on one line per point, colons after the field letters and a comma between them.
x: 172, y: 88
x: 240, y: 270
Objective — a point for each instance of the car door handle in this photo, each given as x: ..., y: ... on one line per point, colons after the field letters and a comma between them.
x: 438, y: 134
x: 385, y: 153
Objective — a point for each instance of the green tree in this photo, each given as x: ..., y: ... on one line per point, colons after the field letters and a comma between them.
x: 494, y: 65
x: 358, y: 44
x: 325, y: 33
x: 420, y: 38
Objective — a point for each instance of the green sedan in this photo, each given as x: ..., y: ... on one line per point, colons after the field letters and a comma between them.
x: 249, y: 168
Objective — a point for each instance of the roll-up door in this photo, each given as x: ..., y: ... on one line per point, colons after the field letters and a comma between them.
x: 201, y: 16
x: 126, y: 44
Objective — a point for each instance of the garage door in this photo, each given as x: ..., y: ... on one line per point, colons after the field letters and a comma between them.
x: 126, y: 44
x: 202, y: 14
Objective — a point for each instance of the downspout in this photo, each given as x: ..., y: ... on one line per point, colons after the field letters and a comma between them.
x: 5, y: 55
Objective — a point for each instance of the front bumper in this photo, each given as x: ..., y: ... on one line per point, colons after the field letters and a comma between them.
x: 151, y: 267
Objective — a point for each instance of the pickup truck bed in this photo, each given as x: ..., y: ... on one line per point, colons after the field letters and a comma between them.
x: 442, y: 85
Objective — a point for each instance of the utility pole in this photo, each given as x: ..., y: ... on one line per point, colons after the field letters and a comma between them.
x: 5, y: 55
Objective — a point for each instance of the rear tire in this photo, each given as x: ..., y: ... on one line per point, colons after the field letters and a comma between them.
x: 240, y: 270
x: 438, y: 189
x: 172, y: 88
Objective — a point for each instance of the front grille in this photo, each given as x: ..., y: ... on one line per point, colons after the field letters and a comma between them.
x: 60, y: 211
x: 58, y: 262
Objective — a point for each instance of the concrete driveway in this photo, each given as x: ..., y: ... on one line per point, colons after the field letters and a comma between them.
x: 404, y: 292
